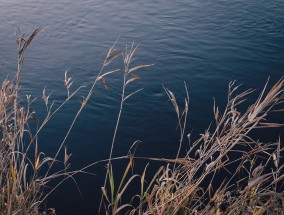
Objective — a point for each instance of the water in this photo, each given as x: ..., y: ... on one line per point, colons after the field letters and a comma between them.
x: 205, y: 43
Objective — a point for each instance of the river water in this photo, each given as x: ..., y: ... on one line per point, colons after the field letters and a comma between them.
x: 205, y: 43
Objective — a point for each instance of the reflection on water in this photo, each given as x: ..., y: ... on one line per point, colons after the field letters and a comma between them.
x: 207, y: 43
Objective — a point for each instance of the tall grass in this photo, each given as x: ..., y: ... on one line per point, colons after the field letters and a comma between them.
x: 248, y: 173
x: 25, y: 172
x: 226, y: 171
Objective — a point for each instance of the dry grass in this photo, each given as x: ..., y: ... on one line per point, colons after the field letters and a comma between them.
x: 225, y: 171
x: 25, y: 172
x: 21, y: 188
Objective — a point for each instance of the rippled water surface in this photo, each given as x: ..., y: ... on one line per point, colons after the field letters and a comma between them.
x: 205, y: 43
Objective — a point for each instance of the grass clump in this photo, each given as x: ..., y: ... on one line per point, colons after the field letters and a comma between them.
x: 20, y: 191
x: 226, y: 171
x: 25, y: 172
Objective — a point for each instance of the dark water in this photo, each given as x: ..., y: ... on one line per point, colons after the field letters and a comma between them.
x: 206, y: 43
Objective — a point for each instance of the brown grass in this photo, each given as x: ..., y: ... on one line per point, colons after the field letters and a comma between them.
x: 225, y: 171
x: 20, y: 192
x: 189, y: 188
x: 24, y: 171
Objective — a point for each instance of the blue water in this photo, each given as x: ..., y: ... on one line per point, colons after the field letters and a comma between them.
x: 205, y: 43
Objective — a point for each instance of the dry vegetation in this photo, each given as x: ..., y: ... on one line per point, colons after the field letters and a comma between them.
x: 249, y: 172
x: 225, y: 171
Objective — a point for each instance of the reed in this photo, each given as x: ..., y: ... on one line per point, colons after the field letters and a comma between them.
x: 25, y: 172
x: 226, y: 152
x: 225, y: 171
x: 21, y: 186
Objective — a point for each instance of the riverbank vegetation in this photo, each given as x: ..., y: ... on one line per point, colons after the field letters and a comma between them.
x: 226, y: 171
